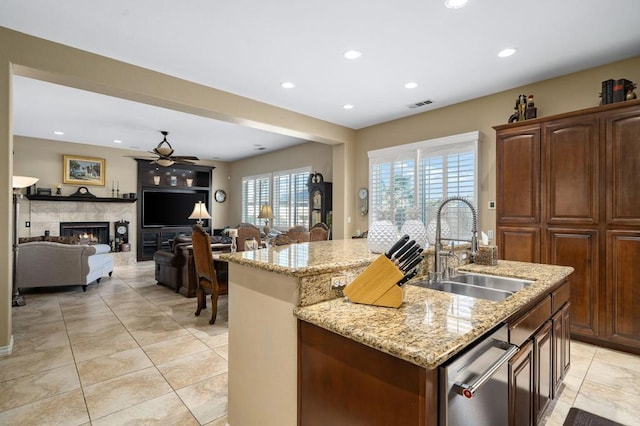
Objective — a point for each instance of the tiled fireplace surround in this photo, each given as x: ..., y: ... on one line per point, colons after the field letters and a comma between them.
x: 47, y: 215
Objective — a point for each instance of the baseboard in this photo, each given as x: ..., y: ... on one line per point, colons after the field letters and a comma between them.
x: 6, y: 350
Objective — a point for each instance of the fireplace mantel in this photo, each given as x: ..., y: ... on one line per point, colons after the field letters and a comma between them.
x: 82, y: 199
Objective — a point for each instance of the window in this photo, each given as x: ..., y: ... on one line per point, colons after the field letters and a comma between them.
x: 414, y: 179
x: 255, y: 193
x: 286, y: 191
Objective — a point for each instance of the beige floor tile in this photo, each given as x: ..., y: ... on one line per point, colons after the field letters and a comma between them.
x: 557, y: 414
x: 157, y: 331
x: 611, y: 403
x: 621, y: 359
x: 28, y: 389
x: 614, y: 376
x: 87, y: 329
x: 27, y: 345
x: 210, y: 336
x: 36, y: 315
x: 13, y: 367
x: 122, y: 392
x: 193, y: 369
x: 207, y: 399
x: 583, y: 350
x: 164, y: 410
x: 21, y: 331
x: 222, y: 421
x: 579, y: 366
x: 171, y: 349
x: 67, y: 409
x: 223, y: 351
x: 103, y: 368
x: 103, y: 345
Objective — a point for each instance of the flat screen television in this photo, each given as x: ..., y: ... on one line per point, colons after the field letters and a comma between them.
x: 170, y: 208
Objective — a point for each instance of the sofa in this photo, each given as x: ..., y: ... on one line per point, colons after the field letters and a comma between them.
x: 174, y: 267
x: 61, y: 262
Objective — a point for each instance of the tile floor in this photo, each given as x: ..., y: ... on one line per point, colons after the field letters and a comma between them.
x: 131, y: 352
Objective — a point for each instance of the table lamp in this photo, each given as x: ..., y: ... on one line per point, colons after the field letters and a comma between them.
x: 266, y: 213
x: 200, y: 212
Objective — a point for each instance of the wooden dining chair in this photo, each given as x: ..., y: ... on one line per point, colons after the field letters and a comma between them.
x: 247, y: 231
x: 319, y: 232
x: 205, y: 272
x: 298, y: 234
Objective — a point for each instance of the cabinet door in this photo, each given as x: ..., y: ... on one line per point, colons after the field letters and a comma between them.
x: 521, y: 387
x: 519, y: 244
x: 571, y: 170
x: 561, y: 346
x: 578, y: 249
x: 543, y: 357
x: 622, y: 295
x: 518, y: 175
x: 623, y: 167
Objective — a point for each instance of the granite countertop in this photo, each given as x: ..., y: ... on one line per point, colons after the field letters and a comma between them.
x: 431, y: 326
x: 306, y: 259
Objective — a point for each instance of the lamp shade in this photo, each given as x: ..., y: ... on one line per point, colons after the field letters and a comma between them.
x: 266, y: 212
x: 200, y: 212
x: 23, y: 181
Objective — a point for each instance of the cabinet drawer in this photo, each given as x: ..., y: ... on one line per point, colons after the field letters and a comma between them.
x: 524, y: 327
x: 560, y: 296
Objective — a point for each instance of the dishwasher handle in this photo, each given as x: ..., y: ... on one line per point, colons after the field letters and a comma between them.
x: 469, y: 390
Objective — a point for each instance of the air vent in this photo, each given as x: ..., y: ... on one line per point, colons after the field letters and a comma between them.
x: 420, y: 104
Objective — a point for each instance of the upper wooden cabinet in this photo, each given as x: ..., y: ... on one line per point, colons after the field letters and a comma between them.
x: 571, y: 162
x: 567, y: 193
x: 623, y: 166
x: 518, y: 175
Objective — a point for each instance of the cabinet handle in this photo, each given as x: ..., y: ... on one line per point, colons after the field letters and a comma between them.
x: 468, y: 391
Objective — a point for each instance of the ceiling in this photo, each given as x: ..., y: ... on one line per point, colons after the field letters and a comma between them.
x: 250, y: 47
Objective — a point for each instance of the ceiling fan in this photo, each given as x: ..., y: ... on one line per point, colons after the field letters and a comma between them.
x: 164, y: 151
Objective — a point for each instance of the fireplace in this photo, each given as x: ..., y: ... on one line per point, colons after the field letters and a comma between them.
x: 88, y: 232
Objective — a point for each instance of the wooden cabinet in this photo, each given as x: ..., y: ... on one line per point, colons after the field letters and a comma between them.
x: 536, y: 372
x: 567, y: 194
x: 166, y: 199
x: 521, y: 386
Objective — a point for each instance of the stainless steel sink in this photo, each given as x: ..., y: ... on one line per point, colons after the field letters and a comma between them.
x: 492, y: 281
x: 470, y: 290
x: 489, y: 287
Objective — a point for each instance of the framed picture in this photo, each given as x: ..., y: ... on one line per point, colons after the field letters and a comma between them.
x: 83, y: 170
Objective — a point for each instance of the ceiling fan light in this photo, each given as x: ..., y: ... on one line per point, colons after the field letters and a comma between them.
x: 165, y: 151
x: 164, y: 162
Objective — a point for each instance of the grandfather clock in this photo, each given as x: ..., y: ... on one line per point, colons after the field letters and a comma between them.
x: 320, y: 200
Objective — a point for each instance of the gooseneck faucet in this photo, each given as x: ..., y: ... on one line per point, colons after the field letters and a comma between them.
x: 437, y: 268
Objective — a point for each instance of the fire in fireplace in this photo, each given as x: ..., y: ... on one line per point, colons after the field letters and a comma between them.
x: 88, y: 232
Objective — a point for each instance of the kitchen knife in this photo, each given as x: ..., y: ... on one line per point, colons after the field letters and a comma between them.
x: 412, y: 264
x: 408, y: 254
x: 407, y: 277
x: 403, y: 250
x: 397, y: 246
x: 414, y: 253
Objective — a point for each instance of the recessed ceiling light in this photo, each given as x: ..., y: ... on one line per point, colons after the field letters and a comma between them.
x: 352, y: 54
x: 411, y: 85
x: 288, y: 85
x: 347, y: 106
x: 59, y: 133
x: 507, y: 52
x: 455, y: 4
x: 117, y: 141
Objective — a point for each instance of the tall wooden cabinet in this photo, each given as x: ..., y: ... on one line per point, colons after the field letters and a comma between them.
x: 568, y: 194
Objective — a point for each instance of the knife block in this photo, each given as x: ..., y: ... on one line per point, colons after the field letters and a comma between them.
x: 377, y: 285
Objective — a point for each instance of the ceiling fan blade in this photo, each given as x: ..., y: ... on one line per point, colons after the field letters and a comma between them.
x: 184, y: 157
x: 178, y: 161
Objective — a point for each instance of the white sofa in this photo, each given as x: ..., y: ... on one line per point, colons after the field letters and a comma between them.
x: 50, y: 264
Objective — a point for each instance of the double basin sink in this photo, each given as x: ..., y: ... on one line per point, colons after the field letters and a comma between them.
x: 480, y: 286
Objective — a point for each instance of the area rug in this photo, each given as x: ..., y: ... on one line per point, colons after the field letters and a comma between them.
x: 578, y: 417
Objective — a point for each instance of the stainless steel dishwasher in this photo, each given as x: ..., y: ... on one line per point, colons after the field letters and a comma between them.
x: 474, y: 386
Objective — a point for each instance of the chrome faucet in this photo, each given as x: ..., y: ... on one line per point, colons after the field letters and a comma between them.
x: 438, y: 269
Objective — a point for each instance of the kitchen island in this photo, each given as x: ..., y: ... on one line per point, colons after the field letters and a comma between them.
x: 270, y: 288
